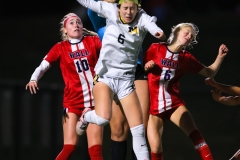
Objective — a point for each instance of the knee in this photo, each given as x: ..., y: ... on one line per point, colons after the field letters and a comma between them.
x: 101, y: 121
x: 118, y: 132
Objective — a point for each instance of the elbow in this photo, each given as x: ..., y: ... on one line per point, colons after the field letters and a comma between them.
x: 208, y: 72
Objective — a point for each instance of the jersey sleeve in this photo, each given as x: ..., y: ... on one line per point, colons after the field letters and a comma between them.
x: 54, y: 54
x: 97, y: 21
x: 149, y: 55
x: 194, y: 66
x: 102, y: 8
x: 40, y: 70
x: 149, y: 23
x: 50, y: 58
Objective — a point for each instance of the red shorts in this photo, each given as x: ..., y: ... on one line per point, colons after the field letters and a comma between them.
x: 77, y: 111
x: 167, y: 114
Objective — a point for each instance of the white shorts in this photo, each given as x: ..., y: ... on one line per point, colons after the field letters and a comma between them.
x: 120, y: 87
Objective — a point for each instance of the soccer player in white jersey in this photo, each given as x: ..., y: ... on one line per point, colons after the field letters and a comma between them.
x: 77, y: 55
x: 166, y: 64
x: 118, y: 123
x: 126, y: 28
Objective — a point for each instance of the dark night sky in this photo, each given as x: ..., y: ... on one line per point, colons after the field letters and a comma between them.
x: 33, y: 28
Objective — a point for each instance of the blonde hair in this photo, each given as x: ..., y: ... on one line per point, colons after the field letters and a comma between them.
x: 177, y: 28
x: 89, y: 33
x: 62, y: 25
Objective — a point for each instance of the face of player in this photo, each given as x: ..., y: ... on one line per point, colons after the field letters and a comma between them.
x: 128, y: 11
x: 185, y: 36
x: 74, y: 28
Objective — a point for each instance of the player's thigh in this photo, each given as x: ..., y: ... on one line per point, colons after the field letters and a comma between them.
x: 118, y: 123
x: 183, y: 119
x: 132, y: 109
x: 154, y: 133
x: 143, y: 96
x: 94, y: 134
x: 69, y: 129
x: 103, y: 97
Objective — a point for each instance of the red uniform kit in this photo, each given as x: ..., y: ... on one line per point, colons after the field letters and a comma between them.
x: 163, y: 79
x: 77, y: 62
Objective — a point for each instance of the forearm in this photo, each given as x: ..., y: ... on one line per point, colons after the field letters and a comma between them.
x: 231, y: 90
x: 213, y: 68
x: 91, y: 4
x: 40, y: 70
x: 153, y: 28
x: 230, y: 100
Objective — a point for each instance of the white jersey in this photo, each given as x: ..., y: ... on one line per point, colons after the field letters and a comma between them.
x: 121, y: 42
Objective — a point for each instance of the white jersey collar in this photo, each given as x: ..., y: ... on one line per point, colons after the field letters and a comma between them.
x: 74, y: 41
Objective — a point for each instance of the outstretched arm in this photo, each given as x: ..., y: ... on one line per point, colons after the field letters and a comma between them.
x: 211, y: 70
x: 90, y: 4
x: 37, y: 74
x: 97, y: 22
x: 229, y: 89
x: 100, y: 7
x: 226, y: 100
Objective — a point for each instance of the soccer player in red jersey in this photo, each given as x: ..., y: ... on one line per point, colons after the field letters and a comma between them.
x: 166, y: 63
x: 77, y: 54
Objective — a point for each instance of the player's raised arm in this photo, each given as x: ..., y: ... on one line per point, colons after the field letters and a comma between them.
x: 96, y: 6
x: 212, y: 70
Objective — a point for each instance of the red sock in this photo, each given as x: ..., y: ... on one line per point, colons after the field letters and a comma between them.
x: 66, y: 152
x: 200, y: 145
x: 157, y: 156
x: 95, y: 152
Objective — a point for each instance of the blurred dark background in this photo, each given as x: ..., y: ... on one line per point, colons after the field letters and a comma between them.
x: 30, y: 125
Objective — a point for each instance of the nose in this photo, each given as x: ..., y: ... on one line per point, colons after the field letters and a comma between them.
x: 128, y: 11
x: 77, y: 25
x: 189, y: 36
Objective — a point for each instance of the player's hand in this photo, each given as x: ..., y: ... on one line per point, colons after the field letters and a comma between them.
x: 33, y: 87
x: 150, y: 64
x: 210, y: 81
x: 160, y: 35
x: 217, y: 95
x: 223, y: 50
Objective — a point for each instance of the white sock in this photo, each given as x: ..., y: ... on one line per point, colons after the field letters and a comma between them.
x: 139, y: 142
x: 92, y: 117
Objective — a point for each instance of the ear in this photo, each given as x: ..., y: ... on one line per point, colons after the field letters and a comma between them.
x: 64, y: 30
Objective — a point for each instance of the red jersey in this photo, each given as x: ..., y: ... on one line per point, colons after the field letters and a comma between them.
x: 77, y: 62
x: 163, y: 78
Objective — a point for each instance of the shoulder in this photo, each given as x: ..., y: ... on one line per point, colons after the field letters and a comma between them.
x: 144, y: 16
x: 93, y: 41
x: 91, y: 38
x: 62, y: 42
x: 109, y: 6
x: 186, y: 53
x: 59, y: 44
x: 158, y: 45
